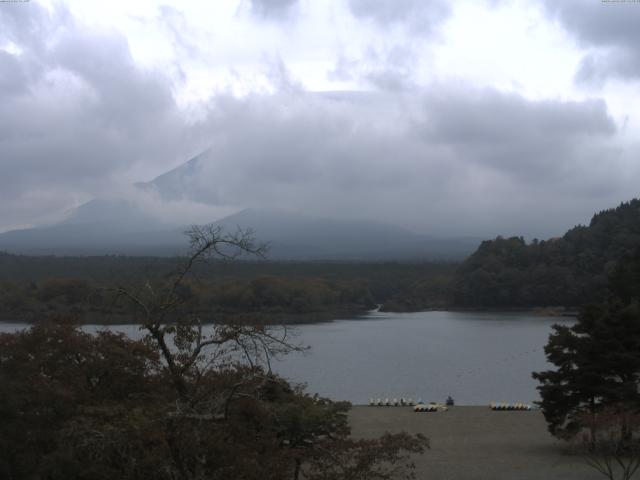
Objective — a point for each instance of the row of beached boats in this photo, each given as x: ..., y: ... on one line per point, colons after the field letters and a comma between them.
x: 419, y: 406
x: 401, y: 402
x: 439, y: 407
x: 510, y: 406
x: 430, y: 407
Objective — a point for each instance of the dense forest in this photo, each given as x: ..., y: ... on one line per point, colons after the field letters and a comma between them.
x: 266, y: 296
x: 568, y: 271
x: 33, y: 288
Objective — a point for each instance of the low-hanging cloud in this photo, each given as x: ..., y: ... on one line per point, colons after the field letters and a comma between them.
x: 77, y: 114
x: 447, y: 160
x: 531, y: 140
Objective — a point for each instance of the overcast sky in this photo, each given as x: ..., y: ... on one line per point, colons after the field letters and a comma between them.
x: 479, y: 117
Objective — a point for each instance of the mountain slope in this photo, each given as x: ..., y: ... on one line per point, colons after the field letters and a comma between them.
x: 296, y: 236
x: 290, y: 236
x: 95, y: 228
x: 184, y: 182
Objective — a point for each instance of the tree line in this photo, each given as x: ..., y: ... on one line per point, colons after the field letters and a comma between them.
x: 273, y: 297
x: 32, y: 288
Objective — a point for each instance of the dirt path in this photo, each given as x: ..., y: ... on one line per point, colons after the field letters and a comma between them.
x: 473, y: 443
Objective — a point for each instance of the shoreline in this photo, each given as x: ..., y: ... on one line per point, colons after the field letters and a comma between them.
x: 292, y: 319
x: 557, y: 311
x: 289, y: 319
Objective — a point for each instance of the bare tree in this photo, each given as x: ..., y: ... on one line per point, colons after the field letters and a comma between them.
x: 225, y: 390
x: 188, y: 350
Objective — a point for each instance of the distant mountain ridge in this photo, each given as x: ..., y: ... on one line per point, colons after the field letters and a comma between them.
x: 290, y: 236
x: 295, y: 236
x: 120, y: 226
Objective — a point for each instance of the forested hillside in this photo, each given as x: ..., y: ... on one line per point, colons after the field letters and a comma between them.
x: 568, y: 271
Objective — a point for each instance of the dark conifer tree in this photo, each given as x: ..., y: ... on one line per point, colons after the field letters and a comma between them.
x: 597, y: 359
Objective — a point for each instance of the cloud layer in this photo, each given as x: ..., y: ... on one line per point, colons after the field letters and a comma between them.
x: 81, y: 116
x: 272, y: 8
x: 76, y: 113
x: 421, y: 15
x: 610, y: 29
x: 445, y: 161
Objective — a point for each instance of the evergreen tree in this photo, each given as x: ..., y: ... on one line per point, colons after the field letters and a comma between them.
x: 597, y: 359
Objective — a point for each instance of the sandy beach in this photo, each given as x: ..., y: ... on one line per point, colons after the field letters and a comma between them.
x: 476, y: 443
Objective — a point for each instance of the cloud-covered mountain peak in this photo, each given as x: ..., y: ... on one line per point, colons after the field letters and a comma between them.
x: 184, y: 181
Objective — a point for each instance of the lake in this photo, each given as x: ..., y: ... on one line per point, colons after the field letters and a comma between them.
x: 476, y: 357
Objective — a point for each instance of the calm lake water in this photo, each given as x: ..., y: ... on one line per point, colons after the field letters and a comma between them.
x: 474, y: 357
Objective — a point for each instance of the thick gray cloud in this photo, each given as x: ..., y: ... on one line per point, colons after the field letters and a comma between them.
x: 272, y: 9
x: 421, y: 15
x: 612, y: 27
x: 445, y: 161
x: 13, y: 79
x: 391, y: 64
x: 534, y: 141
x: 75, y: 111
